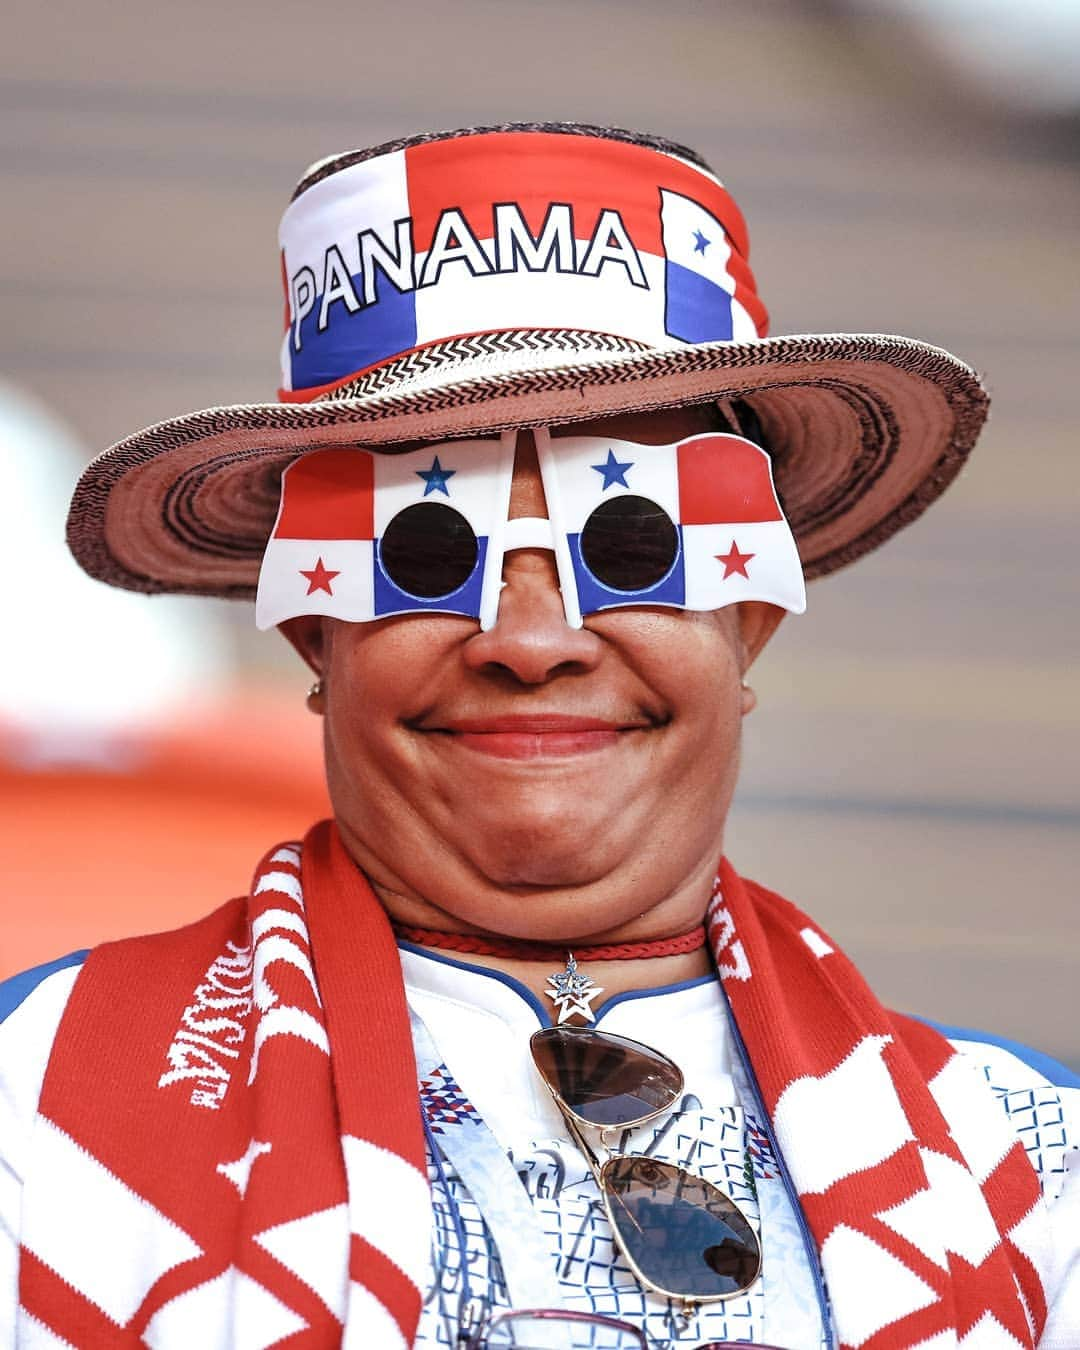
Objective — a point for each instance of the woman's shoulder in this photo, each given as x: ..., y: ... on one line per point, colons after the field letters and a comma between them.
x: 1040, y: 1099
x: 33, y: 1002
x: 42, y: 986
x: 32, y: 1005
x: 1007, y: 1061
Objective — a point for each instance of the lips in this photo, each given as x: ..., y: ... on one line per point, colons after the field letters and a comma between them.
x: 537, y: 735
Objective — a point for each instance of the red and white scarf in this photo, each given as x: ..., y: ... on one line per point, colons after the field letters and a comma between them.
x: 228, y: 1151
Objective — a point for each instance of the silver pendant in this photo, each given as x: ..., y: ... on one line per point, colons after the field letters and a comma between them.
x: 572, y: 993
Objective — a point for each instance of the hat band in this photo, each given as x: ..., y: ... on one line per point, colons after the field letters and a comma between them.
x: 496, y: 233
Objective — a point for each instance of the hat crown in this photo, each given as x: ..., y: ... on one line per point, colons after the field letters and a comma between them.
x: 458, y: 285
x: 431, y: 259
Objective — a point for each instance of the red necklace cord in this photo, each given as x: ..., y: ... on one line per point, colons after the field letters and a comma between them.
x: 522, y: 949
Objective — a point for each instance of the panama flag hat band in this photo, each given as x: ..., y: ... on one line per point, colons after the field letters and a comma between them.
x: 469, y: 283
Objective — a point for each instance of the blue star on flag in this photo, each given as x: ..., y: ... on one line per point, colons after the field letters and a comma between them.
x: 435, y: 478
x: 613, y: 471
x: 700, y: 242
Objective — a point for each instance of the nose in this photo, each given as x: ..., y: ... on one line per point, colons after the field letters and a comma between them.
x: 531, y: 640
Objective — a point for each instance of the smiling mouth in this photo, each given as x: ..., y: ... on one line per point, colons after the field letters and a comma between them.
x: 537, y: 736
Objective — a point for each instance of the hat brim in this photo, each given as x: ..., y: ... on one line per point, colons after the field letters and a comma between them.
x: 865, y: 431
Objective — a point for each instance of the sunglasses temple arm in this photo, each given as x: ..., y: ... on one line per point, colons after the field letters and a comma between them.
x: 576, y: 1134
x: 594, y: 1164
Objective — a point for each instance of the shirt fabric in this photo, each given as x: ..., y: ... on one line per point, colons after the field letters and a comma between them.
x: 481, y: 1022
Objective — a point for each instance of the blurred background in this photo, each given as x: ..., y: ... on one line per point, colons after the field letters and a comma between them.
x: 906, y: 166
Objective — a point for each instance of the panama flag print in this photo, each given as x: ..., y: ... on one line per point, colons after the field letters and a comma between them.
x: 732, y: 541
x: 486, y: 234
x: 698, y: 287
x: 736, y: 540
x: 339, y: 508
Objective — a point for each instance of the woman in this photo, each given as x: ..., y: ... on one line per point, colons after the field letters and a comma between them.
x: 516, y: 513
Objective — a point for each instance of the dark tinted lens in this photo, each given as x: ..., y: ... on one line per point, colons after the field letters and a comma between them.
x: 683, y: 1234
x: 629, y: 543
x: 429, y: 550
x: 606, y: 1080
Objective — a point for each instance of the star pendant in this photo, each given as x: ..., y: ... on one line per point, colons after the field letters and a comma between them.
x: 572, y: 993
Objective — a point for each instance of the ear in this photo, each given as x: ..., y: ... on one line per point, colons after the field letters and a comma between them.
x: 758, y: 621
x: 305, y: 633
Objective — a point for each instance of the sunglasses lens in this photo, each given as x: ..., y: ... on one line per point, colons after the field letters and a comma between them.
x: 428, y: 550
x: 605, y: 1080
x: 629, y: 543
x: 683, y: 1234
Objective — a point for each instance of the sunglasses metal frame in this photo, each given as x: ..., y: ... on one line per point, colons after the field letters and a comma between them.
x: 479, y: 1339
x: 479, y: 1336
x: 575, y: 1123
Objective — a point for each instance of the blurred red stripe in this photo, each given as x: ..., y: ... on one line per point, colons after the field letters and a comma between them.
x: 84, y: 846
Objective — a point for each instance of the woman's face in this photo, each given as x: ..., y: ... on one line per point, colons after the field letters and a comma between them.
x: 538, y: 780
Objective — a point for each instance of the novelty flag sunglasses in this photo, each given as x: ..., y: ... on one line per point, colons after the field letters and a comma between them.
x: 693, y: 525
x: 682, y: 1236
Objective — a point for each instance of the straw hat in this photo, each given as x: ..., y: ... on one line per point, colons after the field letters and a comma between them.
x: 523, y: 275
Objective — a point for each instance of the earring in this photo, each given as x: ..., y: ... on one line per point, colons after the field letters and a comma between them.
x: 314, y: 698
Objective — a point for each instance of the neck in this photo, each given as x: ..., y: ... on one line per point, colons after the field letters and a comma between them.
x: 652, y: 927
x: 616, y: 968
x: 614, y: 977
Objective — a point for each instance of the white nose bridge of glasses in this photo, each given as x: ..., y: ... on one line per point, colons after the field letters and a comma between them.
x: 519, y: 532
x: 544, y: 532
x: 528, y: 532
x: 533, y: 532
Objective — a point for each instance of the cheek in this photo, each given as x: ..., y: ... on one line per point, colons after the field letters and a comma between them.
x: 389, y: 662
x: 711, y: 716
x: 691, y: 659
x: 379, y: 677
x: 702, y: 771
x: 373, y: 675
x: 375, y: 679
x: 702, y: 676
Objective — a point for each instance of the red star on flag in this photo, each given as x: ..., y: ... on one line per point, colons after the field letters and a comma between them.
x: 734, y: 561
x: 319, y: 578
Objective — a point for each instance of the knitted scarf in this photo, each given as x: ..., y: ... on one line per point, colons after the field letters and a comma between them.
x: 228, y: 1150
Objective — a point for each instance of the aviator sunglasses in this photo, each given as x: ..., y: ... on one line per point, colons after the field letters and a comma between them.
x: 693, y: 525
x: 682, y: 1236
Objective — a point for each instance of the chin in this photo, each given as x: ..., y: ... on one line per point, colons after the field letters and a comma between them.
x: 542, y: 855
x: 550, y: 869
